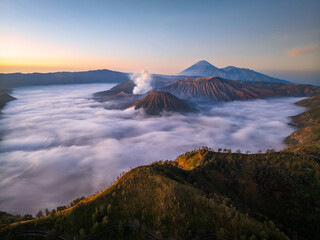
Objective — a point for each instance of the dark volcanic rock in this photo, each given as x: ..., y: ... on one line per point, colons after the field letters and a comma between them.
x: 215, y: 88
x: 120, y: 96
x: 288, y: 90
x: 219, y: 89
x: 118, y: 91
x: 156, y: 102
x: 209, y: 88
x: 5, y: 97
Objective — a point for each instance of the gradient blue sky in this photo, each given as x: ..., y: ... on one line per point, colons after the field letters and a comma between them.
x: 281, y: 38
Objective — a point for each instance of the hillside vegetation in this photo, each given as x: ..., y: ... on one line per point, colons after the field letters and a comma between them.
x: 307, y: 138
x: 218, y: 195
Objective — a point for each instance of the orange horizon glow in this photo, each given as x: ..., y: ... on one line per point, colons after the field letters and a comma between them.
x: 55, y: 65
x: 25, y: 54
x: 47, y: 66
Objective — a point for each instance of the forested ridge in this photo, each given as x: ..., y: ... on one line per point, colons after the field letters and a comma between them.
x: 306, y: 139
x: 273, y: 195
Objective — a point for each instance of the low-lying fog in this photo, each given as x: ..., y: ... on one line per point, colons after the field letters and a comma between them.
x: 57, y: 144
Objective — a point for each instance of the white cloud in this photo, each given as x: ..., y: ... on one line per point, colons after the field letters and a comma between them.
x: 58, y: 144
x: 302, y: 50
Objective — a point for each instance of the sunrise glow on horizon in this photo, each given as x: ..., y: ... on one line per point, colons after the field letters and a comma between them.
x: 163, y: 37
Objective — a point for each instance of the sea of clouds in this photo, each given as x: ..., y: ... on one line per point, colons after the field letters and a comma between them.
x: 58, y: 144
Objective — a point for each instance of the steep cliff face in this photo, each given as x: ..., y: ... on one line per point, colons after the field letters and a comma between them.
x: 216, y: 89
x: 219, y: 89
x: 285, y: 90
x: 156, y: 102
x: 5, y: 97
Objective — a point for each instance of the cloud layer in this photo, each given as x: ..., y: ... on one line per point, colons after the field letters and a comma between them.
x: 58, y: 144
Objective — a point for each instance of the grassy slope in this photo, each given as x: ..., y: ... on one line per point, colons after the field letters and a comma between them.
x: 264, y: 196
x: 307, y: 138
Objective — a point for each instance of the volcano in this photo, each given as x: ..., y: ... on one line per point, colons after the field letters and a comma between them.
x: 156, y: 102
x: 223, y: 90
x: 206, y: 69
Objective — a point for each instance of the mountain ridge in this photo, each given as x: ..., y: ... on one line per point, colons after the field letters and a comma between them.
x: 219, y: 89
x: 11, y: 80
x: 256, y: 196
x: 307, y: 138
x: 206, y: 69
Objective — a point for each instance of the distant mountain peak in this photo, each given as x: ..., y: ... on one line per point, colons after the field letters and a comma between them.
x: 203, y: 63
x: 206, y: 69
x: 198, y: 68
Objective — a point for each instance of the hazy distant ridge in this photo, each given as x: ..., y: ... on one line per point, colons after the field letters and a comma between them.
x: 11, y: 80
x: 200, y: 69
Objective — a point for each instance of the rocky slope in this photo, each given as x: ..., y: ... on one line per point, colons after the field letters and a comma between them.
x: 292, y: 90
x: 219, y: 89
x: 157, y: 102
x: 119, y: 91
x: 120, y: 96
x: 205, y: 69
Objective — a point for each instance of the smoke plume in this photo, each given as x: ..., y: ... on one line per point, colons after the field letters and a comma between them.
x: 142, y: 81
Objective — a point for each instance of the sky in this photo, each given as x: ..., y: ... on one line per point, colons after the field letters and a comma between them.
x: 280, y: 38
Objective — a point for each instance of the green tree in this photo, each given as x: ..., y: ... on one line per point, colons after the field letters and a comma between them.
x: 109, y: 209
x: 61, y: 208
x: 52, y: 235
x: 47, y: 212
x: 82, y: 233
x: 105, y: 221
x: 27, y: 217
x: 39, y: 214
